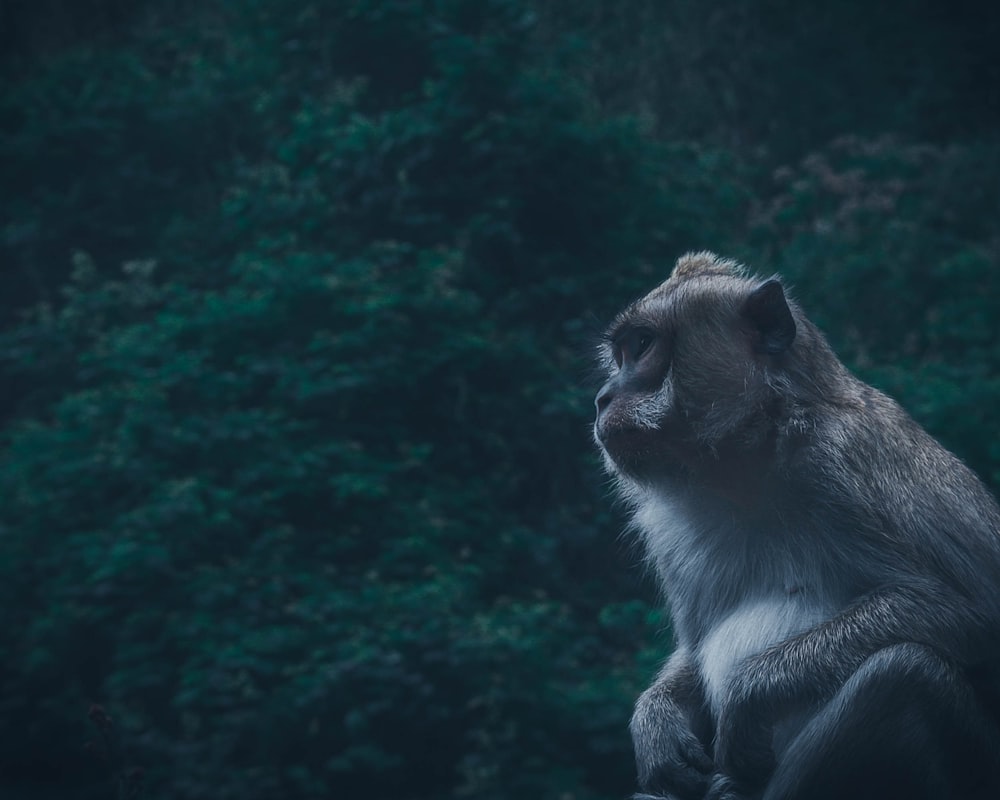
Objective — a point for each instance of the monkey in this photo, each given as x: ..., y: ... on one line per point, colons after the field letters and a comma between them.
x: 832, y: 573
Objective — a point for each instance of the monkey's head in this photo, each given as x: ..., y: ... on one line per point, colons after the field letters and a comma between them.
x: 701, y: 370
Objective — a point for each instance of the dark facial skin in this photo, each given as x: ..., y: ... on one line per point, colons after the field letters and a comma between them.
x: 642, y: 362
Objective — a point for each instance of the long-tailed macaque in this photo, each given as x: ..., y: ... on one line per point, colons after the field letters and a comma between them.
x: 832, y: 572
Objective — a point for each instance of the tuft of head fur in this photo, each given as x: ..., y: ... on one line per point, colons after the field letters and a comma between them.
x: 691, y: 265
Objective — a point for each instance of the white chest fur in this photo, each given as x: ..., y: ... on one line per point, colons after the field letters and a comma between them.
x: 750, y: 629
x: 707, y: 563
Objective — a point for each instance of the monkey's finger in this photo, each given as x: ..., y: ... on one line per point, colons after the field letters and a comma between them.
x: 723, y: 788
x: 655, y: 797
x: 691, y: 781
x: 695, y: 756
x: 678, y: 777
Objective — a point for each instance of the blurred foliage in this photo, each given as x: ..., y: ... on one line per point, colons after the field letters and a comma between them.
x: 296, y: 472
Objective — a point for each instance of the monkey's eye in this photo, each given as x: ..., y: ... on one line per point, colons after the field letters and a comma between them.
x: 642, y: 342
x: 632, y: 345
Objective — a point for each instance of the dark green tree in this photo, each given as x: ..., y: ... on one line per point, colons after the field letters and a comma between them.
x: 295, y: 340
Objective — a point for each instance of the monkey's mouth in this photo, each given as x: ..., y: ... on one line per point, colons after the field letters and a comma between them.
x: 612, y: 435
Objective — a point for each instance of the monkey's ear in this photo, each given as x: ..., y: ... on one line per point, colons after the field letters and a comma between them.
x: 767, y: 311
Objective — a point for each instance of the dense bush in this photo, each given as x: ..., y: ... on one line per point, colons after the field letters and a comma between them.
x: 296, y: 467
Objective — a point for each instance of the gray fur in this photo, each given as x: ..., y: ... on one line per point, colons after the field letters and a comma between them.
x: 800, y: 523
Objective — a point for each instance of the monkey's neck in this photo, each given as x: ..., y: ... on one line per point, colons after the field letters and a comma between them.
x: 744, y: 479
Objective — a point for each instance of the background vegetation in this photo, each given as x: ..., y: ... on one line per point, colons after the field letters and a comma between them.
x: 295, y: 329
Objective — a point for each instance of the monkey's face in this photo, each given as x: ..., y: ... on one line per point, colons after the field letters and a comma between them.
x: 637, y: 417
x: 690, y: 371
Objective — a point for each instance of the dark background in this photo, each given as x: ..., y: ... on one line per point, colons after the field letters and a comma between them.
x: 297, y: 308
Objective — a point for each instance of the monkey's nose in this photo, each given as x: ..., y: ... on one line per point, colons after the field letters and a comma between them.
x: 603, y: 399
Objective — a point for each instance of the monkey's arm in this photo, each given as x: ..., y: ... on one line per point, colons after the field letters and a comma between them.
x: 809, y: 668
x: 669, y: 756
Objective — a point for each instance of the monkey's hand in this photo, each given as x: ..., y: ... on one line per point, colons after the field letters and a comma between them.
x: 670, y: 759
x: 723, y: 788
x: 744, y: 736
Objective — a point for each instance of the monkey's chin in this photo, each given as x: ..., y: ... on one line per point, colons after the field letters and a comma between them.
x: 638, y: 453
